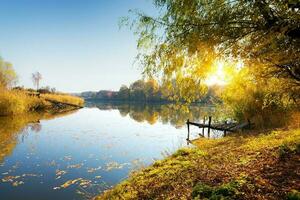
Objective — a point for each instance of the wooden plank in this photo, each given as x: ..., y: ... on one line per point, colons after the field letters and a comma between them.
x: 225, y: 126
x: 197, y: 124
x: 221, y: 127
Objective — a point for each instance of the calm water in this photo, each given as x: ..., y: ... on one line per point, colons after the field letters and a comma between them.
x: 80, y: 154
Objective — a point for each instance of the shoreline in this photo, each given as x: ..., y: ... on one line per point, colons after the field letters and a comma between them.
x: 248, y: 166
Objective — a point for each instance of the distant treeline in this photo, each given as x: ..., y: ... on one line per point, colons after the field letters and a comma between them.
x: 142, y: 91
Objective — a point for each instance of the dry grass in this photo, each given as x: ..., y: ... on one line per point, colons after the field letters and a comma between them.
x: 65, y: 98
x: 17, y: 102
x: 14, y: 102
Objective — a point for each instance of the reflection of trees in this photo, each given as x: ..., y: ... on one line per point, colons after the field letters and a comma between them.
x: 36, y: 127
x: 165, y: 113
x: 11, y: 127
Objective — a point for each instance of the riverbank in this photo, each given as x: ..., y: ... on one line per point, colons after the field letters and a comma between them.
x: 16, y: 102
x: 253, y: 165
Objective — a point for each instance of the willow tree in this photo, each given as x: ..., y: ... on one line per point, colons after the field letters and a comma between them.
x: 181, y: 44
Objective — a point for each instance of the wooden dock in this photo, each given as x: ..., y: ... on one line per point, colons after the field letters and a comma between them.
x: 225, y: 127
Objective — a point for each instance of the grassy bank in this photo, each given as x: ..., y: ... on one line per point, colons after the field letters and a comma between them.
x: 243, y: 166
x: 13, y: 102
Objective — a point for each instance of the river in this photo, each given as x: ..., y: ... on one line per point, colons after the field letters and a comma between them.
x: 80, y: 154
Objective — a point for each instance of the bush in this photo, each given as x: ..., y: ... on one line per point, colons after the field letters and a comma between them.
x: 265, y: 103
x: 284, y: 151
x: 293, y: 195
x: 44, y: 90
x: 226, y: 191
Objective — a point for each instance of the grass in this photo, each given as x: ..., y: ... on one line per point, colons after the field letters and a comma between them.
x: 242, y: 166
x: 15, y: 102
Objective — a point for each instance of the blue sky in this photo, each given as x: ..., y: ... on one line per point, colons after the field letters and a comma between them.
x: 76, y: 44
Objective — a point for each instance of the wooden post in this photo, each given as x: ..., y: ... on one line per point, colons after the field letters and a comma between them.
x: 209, y: 123
x: 188, y: 127
x: 225, y: 128
x: 249, y: 123
x: 203, y: 127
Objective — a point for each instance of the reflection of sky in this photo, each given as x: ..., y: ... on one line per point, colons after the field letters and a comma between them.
x: 90, y: 137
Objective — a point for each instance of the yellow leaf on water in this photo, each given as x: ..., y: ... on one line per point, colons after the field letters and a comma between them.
x: 17, y: 183
x: 75, y: 166
x: 91, y: 170
x: 70, y: 182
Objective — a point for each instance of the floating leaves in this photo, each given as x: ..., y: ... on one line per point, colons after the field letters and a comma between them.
x: 13, y: 180
x: 75, y: 166
x: 80, y: 181
x: 10, y: 178
x: 52, y: 163
x: 70, y: 182
x: 17, y: 183
x: 68, y: 158
x: 32, y: 175
x: 114, y: 165
x: 92, y: 170
x: 59, y: 173
x: 85, y: 183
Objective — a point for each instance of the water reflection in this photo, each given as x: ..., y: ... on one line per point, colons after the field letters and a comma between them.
x: 173, y: 114
x: 73, y: 156
x: 11, y: 126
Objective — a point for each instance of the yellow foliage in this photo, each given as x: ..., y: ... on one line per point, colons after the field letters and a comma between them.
x: 264, y: 102
x: 13, y: 102
x: 17, y: 102
x: 65, y: 98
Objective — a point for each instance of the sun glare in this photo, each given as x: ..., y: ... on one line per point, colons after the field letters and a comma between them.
x: 223, y: 72
x: 218, y: 77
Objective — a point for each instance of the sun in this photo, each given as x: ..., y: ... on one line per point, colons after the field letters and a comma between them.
x: 224, y: 72
x: 218, y: 76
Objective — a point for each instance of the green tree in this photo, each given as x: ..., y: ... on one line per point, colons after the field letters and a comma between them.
x: 124, y: 93
x: 137, y: 90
